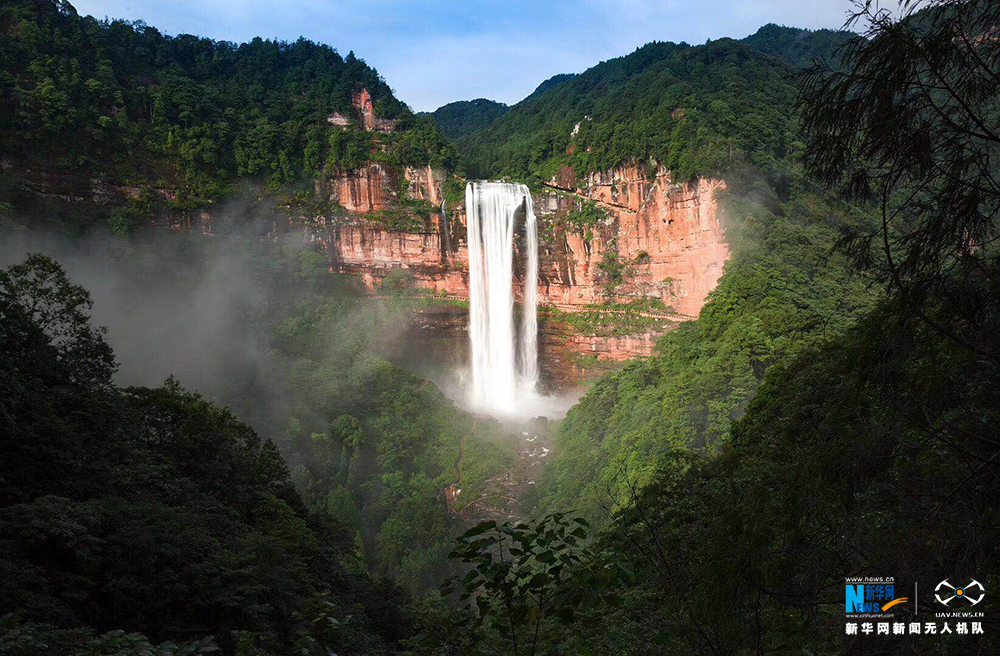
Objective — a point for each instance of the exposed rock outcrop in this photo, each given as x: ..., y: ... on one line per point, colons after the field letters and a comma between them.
x: 364, y: 114
x: 667, y: 238
x: 370, y: 188
x: 363, y: 105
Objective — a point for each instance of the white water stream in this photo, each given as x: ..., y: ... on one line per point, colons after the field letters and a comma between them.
x: 504, y: 368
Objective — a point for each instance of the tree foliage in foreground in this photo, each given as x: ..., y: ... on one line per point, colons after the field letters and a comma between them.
x: 911, y: 126
x: 525, y: 585
x: 152, y: 510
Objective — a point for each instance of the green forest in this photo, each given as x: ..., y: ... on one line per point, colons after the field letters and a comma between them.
x: 831, y: 413
x: 697, y: 110
x: 182, y: 112
x: 142, y: 501
x: 151, y: 509
x: 457, y: 119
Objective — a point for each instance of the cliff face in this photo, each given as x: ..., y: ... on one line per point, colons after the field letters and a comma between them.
x: 367, y: 189
x: 655, y: 240
x: 375, y: 187
x: 436, y: 341
x: 667, y: 239
x: 435, y: 256
x: 664, y: 240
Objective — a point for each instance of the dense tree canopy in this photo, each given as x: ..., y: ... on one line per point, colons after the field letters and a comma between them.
x: 185, y: 112
x: 798, y: 47
x: 698, y: 110
x: 152, y: 509
x: 457, y: 119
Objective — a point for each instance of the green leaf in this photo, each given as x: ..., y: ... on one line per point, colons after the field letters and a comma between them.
x: 479, y: 529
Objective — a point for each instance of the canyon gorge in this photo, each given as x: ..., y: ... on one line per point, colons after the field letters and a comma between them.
x: 627, y: 242
x: 657, y: 249
x: 669, y: 235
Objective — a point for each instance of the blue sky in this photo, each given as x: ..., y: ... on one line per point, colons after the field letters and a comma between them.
x: 434, y: 52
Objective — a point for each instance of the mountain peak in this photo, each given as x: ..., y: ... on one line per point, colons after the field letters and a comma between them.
x: 797, y: 46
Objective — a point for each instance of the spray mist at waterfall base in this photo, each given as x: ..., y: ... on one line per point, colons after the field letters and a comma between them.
x: 527, y: 404
x: 436, y: 346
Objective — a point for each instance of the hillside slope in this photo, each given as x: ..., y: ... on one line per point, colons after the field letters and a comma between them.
x: 697, y: 110
x: 457, y: 119
x: 179, y: 119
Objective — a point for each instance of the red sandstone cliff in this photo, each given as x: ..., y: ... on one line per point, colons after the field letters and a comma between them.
x: 374, y: 187
x: 668, y: 237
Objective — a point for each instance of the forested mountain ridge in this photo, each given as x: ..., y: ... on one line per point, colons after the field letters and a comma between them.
x: 183, y: 114
x: 697, y: 110
x: 553, y: 81
x: 796, y: 46
x: 457, y: 119
x: 785, y: 288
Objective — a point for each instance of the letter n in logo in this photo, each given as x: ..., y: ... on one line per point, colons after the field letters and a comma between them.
x: 854, y: 598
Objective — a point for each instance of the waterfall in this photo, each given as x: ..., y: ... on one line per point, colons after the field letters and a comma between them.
x: 529, y: 316
x: 500, y: 371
